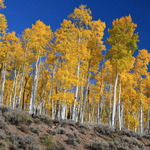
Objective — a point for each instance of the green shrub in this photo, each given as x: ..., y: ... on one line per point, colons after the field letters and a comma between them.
x: 49, y: 143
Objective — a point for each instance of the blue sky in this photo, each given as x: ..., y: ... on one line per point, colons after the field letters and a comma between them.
x: 21, y: 14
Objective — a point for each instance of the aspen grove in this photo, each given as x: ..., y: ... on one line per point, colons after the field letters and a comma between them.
x: 50, y: 73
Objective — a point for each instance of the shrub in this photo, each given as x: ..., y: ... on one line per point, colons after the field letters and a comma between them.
x: 78, y: 140
x: 36, y: 120
x: 4, y: 109
x: 98, y: 145
x: 2, y: 145
x: 83, y: 131
x: 16, y: 117
x: 126, y: 132
x: 2, y: 124
x: 18, y: 142
x: 45, y: 118
x: 52, y: 132
x: 76, y: 134
x: 36, y: 131
x: 71, y: 141
x: 84, y: 126
x: 70, y: 135
x: 61, y: 131
x: 13, y: 147
x: 49, y: 143
x: 23, y: 128
x: 32, y: 147
x: 112, y: 145
x: 2, y: 136
x: 29, y: 139
x: 146, y: 136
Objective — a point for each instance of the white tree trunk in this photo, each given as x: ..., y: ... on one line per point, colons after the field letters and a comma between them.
x: 98, y: 109
x: 3, y: 84
x: 122, y: 115
x: 50, y: 92
x: 141, y: 117
x: 32, y: 105
x: 31, y: 99
x: 11, y: 92
x: 81, y: 99
x: 14, y: 97
x: 63, y: 111
x: 119, y: 115
x: 76, y: 94
x: 21, y: 84
x: 85, y: 95
x: 114, y: 100
x: 109, y: 111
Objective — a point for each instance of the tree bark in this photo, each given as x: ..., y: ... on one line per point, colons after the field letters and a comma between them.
x: 114, y: 100
x: 85, y: 95
x: 109, y: 111
x: 3, y: 84
x: 119, y: 115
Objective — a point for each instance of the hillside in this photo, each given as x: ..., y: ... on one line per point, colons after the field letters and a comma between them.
x: 19, y: 130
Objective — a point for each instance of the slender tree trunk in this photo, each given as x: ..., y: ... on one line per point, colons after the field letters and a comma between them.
x: 76, y: 93
x: 109, y: 111
x: 6, y: 96
x: 98, y: 109
x: 85, y: 95
x: 119, y: 115
x: 81, y: 99
x: 50, y: 93
x: 63, y: 111
x: 23, y: 100
x: 70, y: 111
x: 114, y: 100
x: 11, y: 92
x: 14, y: 98
x: 3, y: 84
x: 21, y: 84
x: 122, y: 115
x: 54, y: 67
x: 36, y: 77
x: 32, y: 106
x: 141, y: 117
x: 88, y: 105
x: 93, y: 115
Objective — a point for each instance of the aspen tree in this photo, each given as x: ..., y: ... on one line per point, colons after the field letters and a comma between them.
x: 142, y: 61
x: 123, y: 43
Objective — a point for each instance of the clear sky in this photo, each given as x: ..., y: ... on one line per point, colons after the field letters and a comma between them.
x: 21, y: 14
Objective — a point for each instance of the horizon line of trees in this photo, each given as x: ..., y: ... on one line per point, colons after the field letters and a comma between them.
x: 49, y: 73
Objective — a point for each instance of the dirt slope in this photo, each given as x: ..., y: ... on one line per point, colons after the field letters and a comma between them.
x: 19, y: 131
